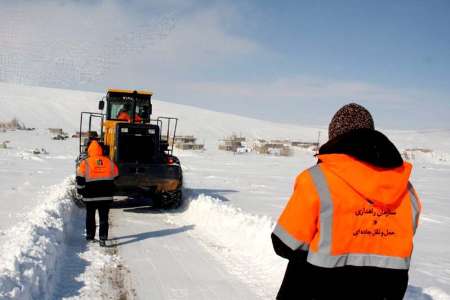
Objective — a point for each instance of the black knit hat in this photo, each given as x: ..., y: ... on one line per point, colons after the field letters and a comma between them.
x: 349, y: 117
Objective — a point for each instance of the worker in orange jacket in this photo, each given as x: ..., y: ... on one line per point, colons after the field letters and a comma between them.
x: 348, y: 227
x: 123, y: 114
x: 95, y: 182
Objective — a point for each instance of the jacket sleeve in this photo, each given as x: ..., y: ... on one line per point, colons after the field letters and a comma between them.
x: 281, y: 249
x: 416, y: 205
x: 81, y: 178
x: 297, y: 224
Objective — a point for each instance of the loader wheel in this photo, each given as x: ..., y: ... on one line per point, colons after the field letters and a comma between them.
x: 156, y: 201
x: 169, y: 200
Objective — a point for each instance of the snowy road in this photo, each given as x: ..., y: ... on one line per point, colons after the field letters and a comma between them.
x: 166, y: 262
x: 217, y: 247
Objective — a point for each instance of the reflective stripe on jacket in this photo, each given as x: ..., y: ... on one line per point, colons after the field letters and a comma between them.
x: 347, y: 212
x: 91, y: 199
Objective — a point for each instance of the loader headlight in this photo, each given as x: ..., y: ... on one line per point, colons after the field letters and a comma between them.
x: 151, y: 131
x: 124, y: 130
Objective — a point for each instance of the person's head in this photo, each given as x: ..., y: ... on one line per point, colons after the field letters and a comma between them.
x: 94, y: 149
x: 126, y: 106
x: 92, y: 135
x: 350, y: 117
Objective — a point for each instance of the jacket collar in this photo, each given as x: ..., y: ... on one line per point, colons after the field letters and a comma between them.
x: 366, y: 145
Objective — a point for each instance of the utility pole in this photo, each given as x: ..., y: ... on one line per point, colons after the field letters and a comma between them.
x: 318, y: 143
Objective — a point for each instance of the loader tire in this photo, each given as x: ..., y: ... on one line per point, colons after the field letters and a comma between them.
x: 169, y: 200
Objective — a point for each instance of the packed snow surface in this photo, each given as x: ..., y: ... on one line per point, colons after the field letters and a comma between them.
x: 217, y: 246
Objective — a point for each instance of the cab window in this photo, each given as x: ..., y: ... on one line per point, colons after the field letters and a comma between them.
x: 116, y: 108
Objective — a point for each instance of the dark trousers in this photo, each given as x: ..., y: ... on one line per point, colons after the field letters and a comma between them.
x: 307, y: 282
x: 103, y: 212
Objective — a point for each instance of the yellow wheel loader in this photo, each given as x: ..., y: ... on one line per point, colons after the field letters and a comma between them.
x: 142, y: 147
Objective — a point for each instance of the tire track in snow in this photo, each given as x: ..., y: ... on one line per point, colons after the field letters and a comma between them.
x: 117, y: 277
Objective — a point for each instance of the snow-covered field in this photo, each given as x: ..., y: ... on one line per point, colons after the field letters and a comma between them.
x: 215, y: 247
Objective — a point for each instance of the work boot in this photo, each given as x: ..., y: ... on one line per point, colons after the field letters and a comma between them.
x: 102, y: 243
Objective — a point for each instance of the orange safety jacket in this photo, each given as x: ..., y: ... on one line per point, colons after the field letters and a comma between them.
x: 347, y: 212
x: 97, y: 168
x: 98, y: 173
x: 124, y: 116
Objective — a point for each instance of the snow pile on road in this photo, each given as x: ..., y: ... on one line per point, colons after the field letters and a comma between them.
x: 31, y: 249
x: 241, y: 241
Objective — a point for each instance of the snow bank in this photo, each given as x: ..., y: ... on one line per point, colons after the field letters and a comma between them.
x: 31, y: 249
x: 241, y: 241
x: 238, y: 239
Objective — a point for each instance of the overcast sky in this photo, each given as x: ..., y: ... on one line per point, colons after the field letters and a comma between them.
x: 287, y: 61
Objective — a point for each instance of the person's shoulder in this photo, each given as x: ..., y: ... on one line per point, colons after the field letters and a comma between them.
x: 304, y: 176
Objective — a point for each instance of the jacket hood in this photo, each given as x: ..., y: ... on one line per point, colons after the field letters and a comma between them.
x: 370, y: 163
x: 384, y: 187
x: 94, y: 149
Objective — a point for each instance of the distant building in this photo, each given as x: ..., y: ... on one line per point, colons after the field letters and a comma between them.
x: 313, y: 146
x: 187, y: 142
x: 285, y: 142
x: 14, y: 124
x: 58, y: 134
x: 82, y: 134
x: 55, y: 131
x: 278, y: 149
x: 232, y: 143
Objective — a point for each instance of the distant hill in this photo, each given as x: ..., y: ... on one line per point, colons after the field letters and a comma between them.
x: 45, y: 107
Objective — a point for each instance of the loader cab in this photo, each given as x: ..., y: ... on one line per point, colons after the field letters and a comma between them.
x: 129, y: 103
x: 130, y: 139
